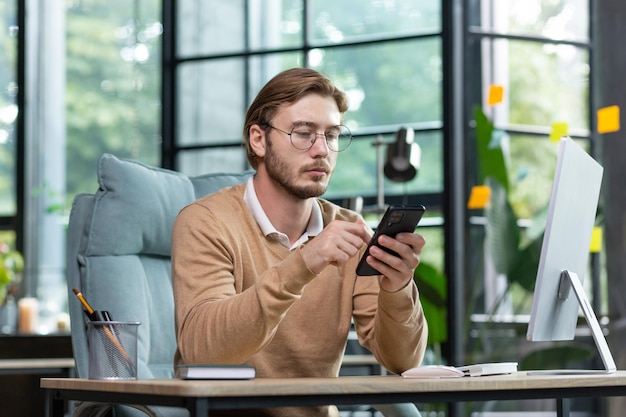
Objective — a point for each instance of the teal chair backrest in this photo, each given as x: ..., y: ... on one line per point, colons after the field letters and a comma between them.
x: 118, y: 255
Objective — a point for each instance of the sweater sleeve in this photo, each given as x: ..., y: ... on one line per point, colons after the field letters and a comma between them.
x: 392, y: 326
x: 215, y: 310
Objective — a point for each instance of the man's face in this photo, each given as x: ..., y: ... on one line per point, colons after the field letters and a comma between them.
x: 302, y: 173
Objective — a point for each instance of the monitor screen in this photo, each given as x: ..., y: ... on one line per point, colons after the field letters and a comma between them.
x: 571, y: 217
x: 564, y: 257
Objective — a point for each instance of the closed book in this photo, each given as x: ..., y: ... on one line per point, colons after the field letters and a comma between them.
x: 215, y: 371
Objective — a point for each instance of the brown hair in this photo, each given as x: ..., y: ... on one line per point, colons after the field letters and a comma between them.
x: 286, y: 88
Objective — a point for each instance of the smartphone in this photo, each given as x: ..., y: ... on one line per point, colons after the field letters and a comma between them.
x: 397, y: 219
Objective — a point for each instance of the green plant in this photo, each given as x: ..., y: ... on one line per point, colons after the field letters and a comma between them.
x: 513, y: 255
x: 433, y: 295
x: 11, y: 267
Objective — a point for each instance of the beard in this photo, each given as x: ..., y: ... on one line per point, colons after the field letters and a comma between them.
x: 278, y: 170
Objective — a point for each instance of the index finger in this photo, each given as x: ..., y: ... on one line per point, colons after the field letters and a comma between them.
x: 366, y: 228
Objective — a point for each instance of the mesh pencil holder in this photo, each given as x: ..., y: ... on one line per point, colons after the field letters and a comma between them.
x: 112, y: 349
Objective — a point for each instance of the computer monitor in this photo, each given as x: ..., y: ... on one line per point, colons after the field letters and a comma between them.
x: 565, y: 252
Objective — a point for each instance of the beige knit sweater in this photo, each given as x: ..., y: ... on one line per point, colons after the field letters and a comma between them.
x: 242, y: 297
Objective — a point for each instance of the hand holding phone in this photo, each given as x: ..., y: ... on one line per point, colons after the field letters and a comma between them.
x: 397, y: 219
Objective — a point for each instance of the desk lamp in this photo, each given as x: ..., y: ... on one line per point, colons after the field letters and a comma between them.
x: 403, y: 157
x: 402, y: 162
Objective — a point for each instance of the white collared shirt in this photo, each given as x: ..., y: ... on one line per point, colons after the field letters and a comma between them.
x: 315, y: 226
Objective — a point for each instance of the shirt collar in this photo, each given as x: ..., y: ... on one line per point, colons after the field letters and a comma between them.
x: 314, y: 227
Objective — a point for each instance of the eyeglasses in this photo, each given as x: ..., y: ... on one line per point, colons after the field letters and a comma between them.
x: 303, y: 136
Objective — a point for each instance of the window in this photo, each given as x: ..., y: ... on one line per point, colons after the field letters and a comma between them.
x: 539, y: 52
x: 387, y: 56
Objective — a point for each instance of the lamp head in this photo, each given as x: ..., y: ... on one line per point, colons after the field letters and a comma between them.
x: 403, y: 157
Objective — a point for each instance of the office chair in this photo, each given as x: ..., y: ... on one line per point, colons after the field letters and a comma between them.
x: 118, y: 256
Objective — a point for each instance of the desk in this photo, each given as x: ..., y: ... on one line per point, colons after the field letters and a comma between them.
x: 201, y: 396
x: 24, y: 360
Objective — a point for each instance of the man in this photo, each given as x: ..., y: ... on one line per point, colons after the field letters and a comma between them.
x: 264, y: 272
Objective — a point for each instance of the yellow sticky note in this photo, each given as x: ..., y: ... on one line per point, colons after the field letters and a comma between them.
x: 559, y: 129
x: 608, y: 119
x: 596, y: 240
x: 495, y: 94
x: 479, y: 197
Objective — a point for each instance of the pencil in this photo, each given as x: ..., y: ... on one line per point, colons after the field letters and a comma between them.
x: 92, y: 313
x: 84, y: 302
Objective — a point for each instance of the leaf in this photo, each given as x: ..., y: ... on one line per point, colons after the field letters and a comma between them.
x: 502, y: 231
x: 557, y: 357
x: 538, y: 224
x: 491, y: 161
x: 433, y: 296
x: 13, y: 261
x: 523, y: 270
x: 5, y: 277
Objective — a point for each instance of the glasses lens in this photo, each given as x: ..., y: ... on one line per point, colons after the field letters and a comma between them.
x: 302, y: 137
x: 339, y: 138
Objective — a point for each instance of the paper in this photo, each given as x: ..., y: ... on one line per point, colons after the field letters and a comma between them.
x: 496, y: 92
x: 445, y: 371
x: 479, y: 197
x: 608, y: 119
x: 433, y: 371
x: 559, y: 129
x: 596, y: 240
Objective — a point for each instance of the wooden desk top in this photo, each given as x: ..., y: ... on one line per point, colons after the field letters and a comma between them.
x: 261, y: 387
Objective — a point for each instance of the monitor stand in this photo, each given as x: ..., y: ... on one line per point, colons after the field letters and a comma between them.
x: 570, y: 280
